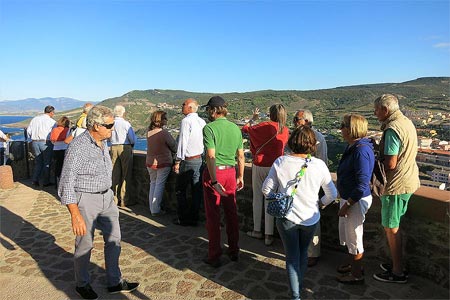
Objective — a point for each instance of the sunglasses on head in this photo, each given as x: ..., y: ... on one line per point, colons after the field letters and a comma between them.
x: 107, y: 126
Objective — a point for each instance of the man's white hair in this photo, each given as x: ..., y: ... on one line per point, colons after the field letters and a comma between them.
x: 388, y: 101
x: 119, y: 111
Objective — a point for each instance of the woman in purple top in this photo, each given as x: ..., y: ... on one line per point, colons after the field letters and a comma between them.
x: 160, y: 149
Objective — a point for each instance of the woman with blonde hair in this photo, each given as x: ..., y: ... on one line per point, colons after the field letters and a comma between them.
x: 353, y: 183
x: 160, y: 149
x: 267, y: 141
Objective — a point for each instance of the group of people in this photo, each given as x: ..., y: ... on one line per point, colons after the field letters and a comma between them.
x: 294, y: 163
x: 278, y: 157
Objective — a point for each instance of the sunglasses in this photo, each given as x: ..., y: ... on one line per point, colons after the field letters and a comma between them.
x: 107, y: 126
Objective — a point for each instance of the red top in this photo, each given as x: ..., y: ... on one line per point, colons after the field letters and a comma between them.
x: 58, y: 134
x: 260, y: 134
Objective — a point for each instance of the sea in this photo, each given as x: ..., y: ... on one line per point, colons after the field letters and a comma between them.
x: 17, y: 134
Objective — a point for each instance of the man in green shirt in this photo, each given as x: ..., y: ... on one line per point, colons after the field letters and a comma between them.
x: 223, y: 143
x: 398, y: 147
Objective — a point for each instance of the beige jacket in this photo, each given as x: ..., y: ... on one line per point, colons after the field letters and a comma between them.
x: 404, y: 179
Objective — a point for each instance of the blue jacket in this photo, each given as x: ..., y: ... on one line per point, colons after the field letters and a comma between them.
x: 355, y: 170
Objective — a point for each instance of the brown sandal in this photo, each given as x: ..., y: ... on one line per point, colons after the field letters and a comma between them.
x: 349, y: 278
x: 344, y: 269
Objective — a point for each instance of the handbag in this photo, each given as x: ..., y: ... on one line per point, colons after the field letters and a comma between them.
x: 280, y: 204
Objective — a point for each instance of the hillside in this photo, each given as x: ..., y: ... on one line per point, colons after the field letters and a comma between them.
x: 328, y: 105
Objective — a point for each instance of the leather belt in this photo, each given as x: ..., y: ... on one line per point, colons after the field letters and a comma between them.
x: 224, y: 167
x: 40, y: 140
x: 102, y: 192
x: 192, y: 157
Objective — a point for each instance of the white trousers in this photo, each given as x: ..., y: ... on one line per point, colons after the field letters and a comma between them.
x: 158, y: 179
x: 351, y: 227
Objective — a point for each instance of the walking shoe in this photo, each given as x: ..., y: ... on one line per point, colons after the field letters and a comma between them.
x: 312, y: 261
x: 158, y: 214
x: 86, y: 292
x: 233, y: 256
x: 213, y: 263
x: 123, y: 286
x: 390, y: 277
x: 388, y: 268
x: 268, y: 240
x: 255, y: 235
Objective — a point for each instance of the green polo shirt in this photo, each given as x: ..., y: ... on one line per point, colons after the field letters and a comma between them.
x: 226, y: 138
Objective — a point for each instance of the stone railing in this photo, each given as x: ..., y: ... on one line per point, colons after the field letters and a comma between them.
x: 425, y: 225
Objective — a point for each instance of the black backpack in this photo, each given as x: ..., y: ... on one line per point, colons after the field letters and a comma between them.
x: 378, y: 181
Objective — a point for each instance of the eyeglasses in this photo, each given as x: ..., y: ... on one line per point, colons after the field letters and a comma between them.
x: 107, y: 126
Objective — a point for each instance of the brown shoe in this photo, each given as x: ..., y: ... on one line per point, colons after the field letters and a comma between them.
x: 349, y: 278
x: 312, y: 261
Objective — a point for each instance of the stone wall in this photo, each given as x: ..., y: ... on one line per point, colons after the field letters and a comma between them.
x: 426, y: 224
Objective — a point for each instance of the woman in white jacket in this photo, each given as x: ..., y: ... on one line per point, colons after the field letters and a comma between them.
x: 297, y: 228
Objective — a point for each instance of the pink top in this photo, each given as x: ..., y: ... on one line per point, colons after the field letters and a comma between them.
x: 160, y: 148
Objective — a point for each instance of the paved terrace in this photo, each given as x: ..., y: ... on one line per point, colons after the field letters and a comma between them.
x: 37, y: 246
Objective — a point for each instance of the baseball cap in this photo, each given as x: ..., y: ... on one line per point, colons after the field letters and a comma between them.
x: 215, y: 101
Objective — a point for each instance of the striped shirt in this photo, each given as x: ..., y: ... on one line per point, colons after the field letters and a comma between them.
x: 87, y: 168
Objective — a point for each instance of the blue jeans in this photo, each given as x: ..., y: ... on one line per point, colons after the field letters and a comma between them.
x: 189, y: 175
x: 43, y: 152
x: 296, y: 239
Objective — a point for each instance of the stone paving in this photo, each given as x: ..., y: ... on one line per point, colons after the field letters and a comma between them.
x: 36, y: 260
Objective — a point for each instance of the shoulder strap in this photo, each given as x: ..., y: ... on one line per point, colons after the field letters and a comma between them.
x: 259, y: 149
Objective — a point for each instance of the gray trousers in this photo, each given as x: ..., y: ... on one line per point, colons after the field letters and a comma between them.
x: 99, y: 212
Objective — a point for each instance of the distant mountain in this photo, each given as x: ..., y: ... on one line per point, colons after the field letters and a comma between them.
x: 32, y: 106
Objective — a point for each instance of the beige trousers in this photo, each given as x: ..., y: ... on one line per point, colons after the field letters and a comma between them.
x: 122, y: 161
x: 259, y: 174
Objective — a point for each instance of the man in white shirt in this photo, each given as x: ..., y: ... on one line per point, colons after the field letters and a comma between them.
x: 3, y: 139
x: 41, y: 146
x: 188, y: 164
x: 122, y: 141
x: 304, y: 117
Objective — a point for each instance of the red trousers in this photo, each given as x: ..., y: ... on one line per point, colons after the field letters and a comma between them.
x: 227, y: 178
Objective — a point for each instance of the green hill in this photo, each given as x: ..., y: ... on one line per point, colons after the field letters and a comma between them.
x: 327, y: 105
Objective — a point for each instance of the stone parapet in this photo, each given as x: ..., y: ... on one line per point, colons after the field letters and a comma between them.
x: 425, y: 225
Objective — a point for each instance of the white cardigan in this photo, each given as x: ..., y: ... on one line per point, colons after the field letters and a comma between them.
x: 281, y: 179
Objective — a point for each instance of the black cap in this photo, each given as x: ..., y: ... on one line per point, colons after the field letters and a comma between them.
x: 215, y: 101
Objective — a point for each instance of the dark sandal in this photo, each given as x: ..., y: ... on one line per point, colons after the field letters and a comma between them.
x: 344, y: 269
x: 350, y: 279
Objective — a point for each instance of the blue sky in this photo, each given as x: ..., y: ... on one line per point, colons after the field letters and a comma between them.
x: 96, y: 49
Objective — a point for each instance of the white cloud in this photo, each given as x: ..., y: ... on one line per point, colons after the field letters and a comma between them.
x: 441, y: 45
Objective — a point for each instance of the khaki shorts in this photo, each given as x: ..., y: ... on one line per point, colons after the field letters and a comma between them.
x: 393, y: 207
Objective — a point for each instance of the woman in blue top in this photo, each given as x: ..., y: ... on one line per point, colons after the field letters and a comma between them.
x: 353, y: 183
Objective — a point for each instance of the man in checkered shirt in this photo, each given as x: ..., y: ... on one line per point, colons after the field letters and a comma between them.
x: 85, y: 188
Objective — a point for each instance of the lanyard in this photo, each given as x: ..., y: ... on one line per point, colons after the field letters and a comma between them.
x: 300, y: 174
